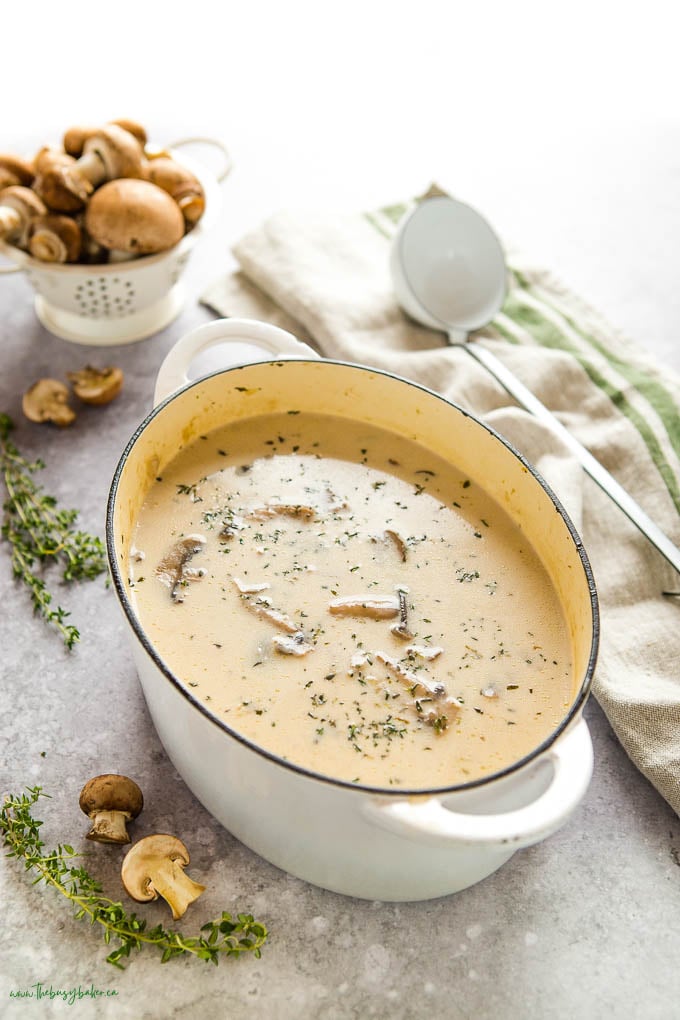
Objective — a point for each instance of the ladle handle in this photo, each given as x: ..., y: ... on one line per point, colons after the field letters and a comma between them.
x: 591, y: 466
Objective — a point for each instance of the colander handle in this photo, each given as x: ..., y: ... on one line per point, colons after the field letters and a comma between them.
x: 215, y: 144
x: 251, y: 339
x: 429, y: 821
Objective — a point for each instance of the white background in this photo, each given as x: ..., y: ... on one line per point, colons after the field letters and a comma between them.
x: 559, y: 121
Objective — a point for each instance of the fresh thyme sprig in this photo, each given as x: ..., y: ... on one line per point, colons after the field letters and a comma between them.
x: 40, y: 533
x: 21, y: 835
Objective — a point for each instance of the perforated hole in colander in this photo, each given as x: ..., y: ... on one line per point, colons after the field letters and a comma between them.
x: 102, y: 297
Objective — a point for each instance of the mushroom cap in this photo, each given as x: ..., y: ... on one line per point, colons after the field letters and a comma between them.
x: 48, y: 158
x: 55, y: 238
x: 7, y: 179
x: 23, y: 200
x: 134, y: 216
x: 20, y: 168
x: 75, y: 137
x: 58, y: 191
x: 119, y: 151
x: 133, y: 127
x: 180, y: 183
x: 96, y: 385
x: 111, y: 792
x: 47, y: 401
x: 144, y: 857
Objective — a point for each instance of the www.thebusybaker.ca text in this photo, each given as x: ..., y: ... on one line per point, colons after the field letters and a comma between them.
x: 68, y: 995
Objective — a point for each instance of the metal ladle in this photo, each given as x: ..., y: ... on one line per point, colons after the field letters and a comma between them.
x: 449, y: 273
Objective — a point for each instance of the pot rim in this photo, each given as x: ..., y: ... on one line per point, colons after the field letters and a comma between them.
x: 571, y: 715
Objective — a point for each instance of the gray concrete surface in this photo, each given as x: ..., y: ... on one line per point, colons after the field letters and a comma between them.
x: 584, y: 925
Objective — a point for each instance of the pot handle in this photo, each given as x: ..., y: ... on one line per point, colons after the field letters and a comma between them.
x: 429, y: 821
x: 261, y: 339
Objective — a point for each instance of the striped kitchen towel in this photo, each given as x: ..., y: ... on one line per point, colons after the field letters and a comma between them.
x: 326, y: 278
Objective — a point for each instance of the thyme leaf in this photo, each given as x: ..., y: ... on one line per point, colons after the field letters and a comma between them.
x: 225, y: 936
x: 39, y: 533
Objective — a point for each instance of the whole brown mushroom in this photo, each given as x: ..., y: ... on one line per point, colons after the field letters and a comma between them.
x: 22, y: 169
x: 75, y: 137
x: 110, y: 801
x: 180, y: 184
x: 134, y: 216
x: 19, y: 207
x: 55, y: 238
x: 50, y: 183
x: 110, y: 153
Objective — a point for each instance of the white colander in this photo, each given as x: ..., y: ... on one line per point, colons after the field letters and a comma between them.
x: 121, y: 302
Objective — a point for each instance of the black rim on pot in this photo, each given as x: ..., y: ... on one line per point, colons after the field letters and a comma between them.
x: 401, y: 792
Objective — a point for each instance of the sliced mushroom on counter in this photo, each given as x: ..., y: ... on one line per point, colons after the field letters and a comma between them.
x: 373, y: 606
x: 96, y: 385
x: 110, y: 801
x: 55, y: 238
x: 180, y: 184
x: 134, y: 216
x: 47, y: 401
x: 19, y: 207
x: 174, y: 570
x: 154, y: 867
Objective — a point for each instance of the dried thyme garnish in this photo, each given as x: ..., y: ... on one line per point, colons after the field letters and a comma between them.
x: 40, y: 533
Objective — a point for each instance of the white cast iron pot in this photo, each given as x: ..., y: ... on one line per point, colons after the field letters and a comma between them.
x: 369, y: 842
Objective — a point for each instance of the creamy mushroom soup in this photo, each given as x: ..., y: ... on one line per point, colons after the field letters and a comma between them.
x: 351, y: 602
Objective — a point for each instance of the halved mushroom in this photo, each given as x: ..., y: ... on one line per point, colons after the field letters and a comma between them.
x: 55, y: 238
x: 19, y: 207
x: 96, y: 385
x: 154, y: 867
x: 110, y: 801
x: 134, y: 216
x: 47, y: 401
x: 180, y: 184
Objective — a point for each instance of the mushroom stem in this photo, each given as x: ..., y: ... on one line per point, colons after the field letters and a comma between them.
x: 10, y: 221
x: 178, y: 890
x: 110, y: 827
x: 91, y: 167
